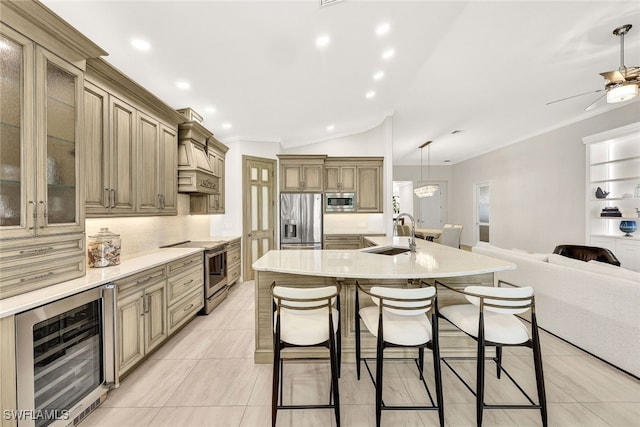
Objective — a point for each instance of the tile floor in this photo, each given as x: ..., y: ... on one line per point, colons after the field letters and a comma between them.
x: 205, y: 376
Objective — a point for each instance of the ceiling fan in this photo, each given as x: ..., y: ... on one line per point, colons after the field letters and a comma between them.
x: 621, y: 84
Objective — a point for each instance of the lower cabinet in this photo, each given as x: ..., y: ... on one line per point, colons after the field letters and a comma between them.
x: 343, y: 241
x: 627, y: 250
x: 233, y: 262
x: 141, y: 316
x: 153, y: 304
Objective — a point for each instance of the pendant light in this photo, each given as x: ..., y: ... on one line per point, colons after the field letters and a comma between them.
x: 426, y: 190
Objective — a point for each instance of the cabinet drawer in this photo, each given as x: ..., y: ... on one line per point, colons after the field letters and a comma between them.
x: 141, y: 279
x: 182, y: 284
x: 233, y: 273
x: 38, y: 272
x: 233, y: 254
x: 23, y: 249
x: 184, y: 310
x: 183, y: 264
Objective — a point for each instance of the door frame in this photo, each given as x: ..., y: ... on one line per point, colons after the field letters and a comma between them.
x: 247, y: 271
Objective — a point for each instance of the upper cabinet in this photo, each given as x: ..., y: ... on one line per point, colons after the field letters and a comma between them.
x: 132, y: 147
x: 41, y: 173
x: 319, y: 173
x: 339, y: 176
x: 302, y: 173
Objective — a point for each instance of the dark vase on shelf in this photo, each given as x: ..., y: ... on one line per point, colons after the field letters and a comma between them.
x: 601, y: 194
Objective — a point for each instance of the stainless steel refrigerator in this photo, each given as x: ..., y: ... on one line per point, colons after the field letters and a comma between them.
x: 301, y: 220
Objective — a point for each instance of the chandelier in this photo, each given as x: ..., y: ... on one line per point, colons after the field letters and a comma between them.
x: 426, y: 190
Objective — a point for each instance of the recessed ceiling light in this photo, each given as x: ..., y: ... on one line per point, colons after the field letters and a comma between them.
x: 140, y: 44
x: 378, y: 75
x: 183, y: 85
x: 383, y: 28
x: 370, y: 94
x: 226, y: 126
x: 210, y: 109
x: 330, y: 128
x: 388, y: 54
x: 323, y: 40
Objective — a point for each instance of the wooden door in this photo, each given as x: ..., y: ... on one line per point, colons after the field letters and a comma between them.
x: 130, y: 330
x: 155, y: 316
x: 312, y: 178
x: 332, y: 178
x: 259, y: 209
x: 348, y: 179
x: 291, y: 178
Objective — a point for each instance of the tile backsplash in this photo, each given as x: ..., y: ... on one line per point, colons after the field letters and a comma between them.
x: 143, y: 234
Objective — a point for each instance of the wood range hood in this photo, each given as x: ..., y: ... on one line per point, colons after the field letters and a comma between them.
x: 195, y: 172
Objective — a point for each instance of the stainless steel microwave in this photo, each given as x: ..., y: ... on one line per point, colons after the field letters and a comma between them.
x: 340, y: 202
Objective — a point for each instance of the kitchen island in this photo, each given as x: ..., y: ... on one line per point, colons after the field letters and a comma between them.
x: 386, y: 262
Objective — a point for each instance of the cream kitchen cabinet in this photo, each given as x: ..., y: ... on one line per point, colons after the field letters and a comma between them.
x: 233, y: 261
x: 339, y: 176
x: 110, y: 133
x: 343, y: 241
x: 185, y: 290
x: 158, y: 165
x: 131, y: 139
x: 369, y: 187
x: 41, y: 193
x: 301, y: 173
x: 141, y: 316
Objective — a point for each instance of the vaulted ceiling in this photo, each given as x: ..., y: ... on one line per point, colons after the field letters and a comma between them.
x: 484, y: 68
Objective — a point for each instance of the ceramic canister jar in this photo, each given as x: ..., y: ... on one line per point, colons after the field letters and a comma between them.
x: 104, y: 249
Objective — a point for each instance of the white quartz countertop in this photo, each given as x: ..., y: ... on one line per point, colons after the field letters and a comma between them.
x: 431, y: 260
x: 95, y: 277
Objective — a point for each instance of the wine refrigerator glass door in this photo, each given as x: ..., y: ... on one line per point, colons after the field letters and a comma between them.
x: 62, y: 357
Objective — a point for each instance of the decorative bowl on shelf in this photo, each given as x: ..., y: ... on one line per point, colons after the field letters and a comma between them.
x: 628, y: 227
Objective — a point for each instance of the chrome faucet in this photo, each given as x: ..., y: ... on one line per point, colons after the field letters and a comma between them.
x: 412, y: 239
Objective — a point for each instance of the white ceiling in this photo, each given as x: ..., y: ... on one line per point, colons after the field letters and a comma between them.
x: 486, y: 68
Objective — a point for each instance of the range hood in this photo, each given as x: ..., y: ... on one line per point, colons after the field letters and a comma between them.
x: 195, y: 173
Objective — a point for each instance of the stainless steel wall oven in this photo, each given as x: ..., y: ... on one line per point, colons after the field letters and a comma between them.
x: 65, y: 358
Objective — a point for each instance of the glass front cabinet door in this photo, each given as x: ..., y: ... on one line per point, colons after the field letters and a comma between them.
x: 39, y: 128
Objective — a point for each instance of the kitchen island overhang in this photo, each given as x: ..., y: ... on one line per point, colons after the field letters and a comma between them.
x: 303, y: 268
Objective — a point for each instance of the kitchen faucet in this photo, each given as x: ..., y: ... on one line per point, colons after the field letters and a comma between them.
x: 412, y: 239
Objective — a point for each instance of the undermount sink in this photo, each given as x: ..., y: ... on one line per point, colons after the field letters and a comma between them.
x: 387, y: 251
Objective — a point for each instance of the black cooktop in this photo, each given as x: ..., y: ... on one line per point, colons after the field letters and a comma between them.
x: 206, y: 245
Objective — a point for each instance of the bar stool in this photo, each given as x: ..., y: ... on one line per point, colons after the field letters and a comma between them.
x: 399, y: 319
x: 490, y: 319
x: 305, y: 317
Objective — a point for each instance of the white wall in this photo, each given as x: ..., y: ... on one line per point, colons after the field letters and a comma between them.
x: 537, y: 186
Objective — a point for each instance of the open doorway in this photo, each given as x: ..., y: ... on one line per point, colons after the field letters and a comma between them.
x: 482, y: 215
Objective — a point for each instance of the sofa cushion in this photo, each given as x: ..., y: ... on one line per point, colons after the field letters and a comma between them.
x: 534, y: 255
x: 614, y: 270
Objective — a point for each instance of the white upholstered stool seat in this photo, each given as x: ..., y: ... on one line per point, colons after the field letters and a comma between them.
x: 306, y: 328
x: 501, y: 328
x: 398, y: 329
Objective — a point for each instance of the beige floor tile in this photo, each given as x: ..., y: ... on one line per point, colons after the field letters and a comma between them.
x: 150, y: 385
x: 261, y: 392
x: 187, y: 344
x: 464, y: 415
x: 560, y: 415
x: 202, y: 416
x: 120, y: 417
x: 587, y: 379
x: 217, y: 382
x: 260, y: 416
x: 231, y: 344
x: 243, y: 319
x: 617, y: 414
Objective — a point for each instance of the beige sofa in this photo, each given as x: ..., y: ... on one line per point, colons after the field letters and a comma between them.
x: 592, y: 305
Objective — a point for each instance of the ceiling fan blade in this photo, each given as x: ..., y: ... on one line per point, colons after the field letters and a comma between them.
x: 613, y: 76
x: 593, y: 104
x: 574, y: 96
